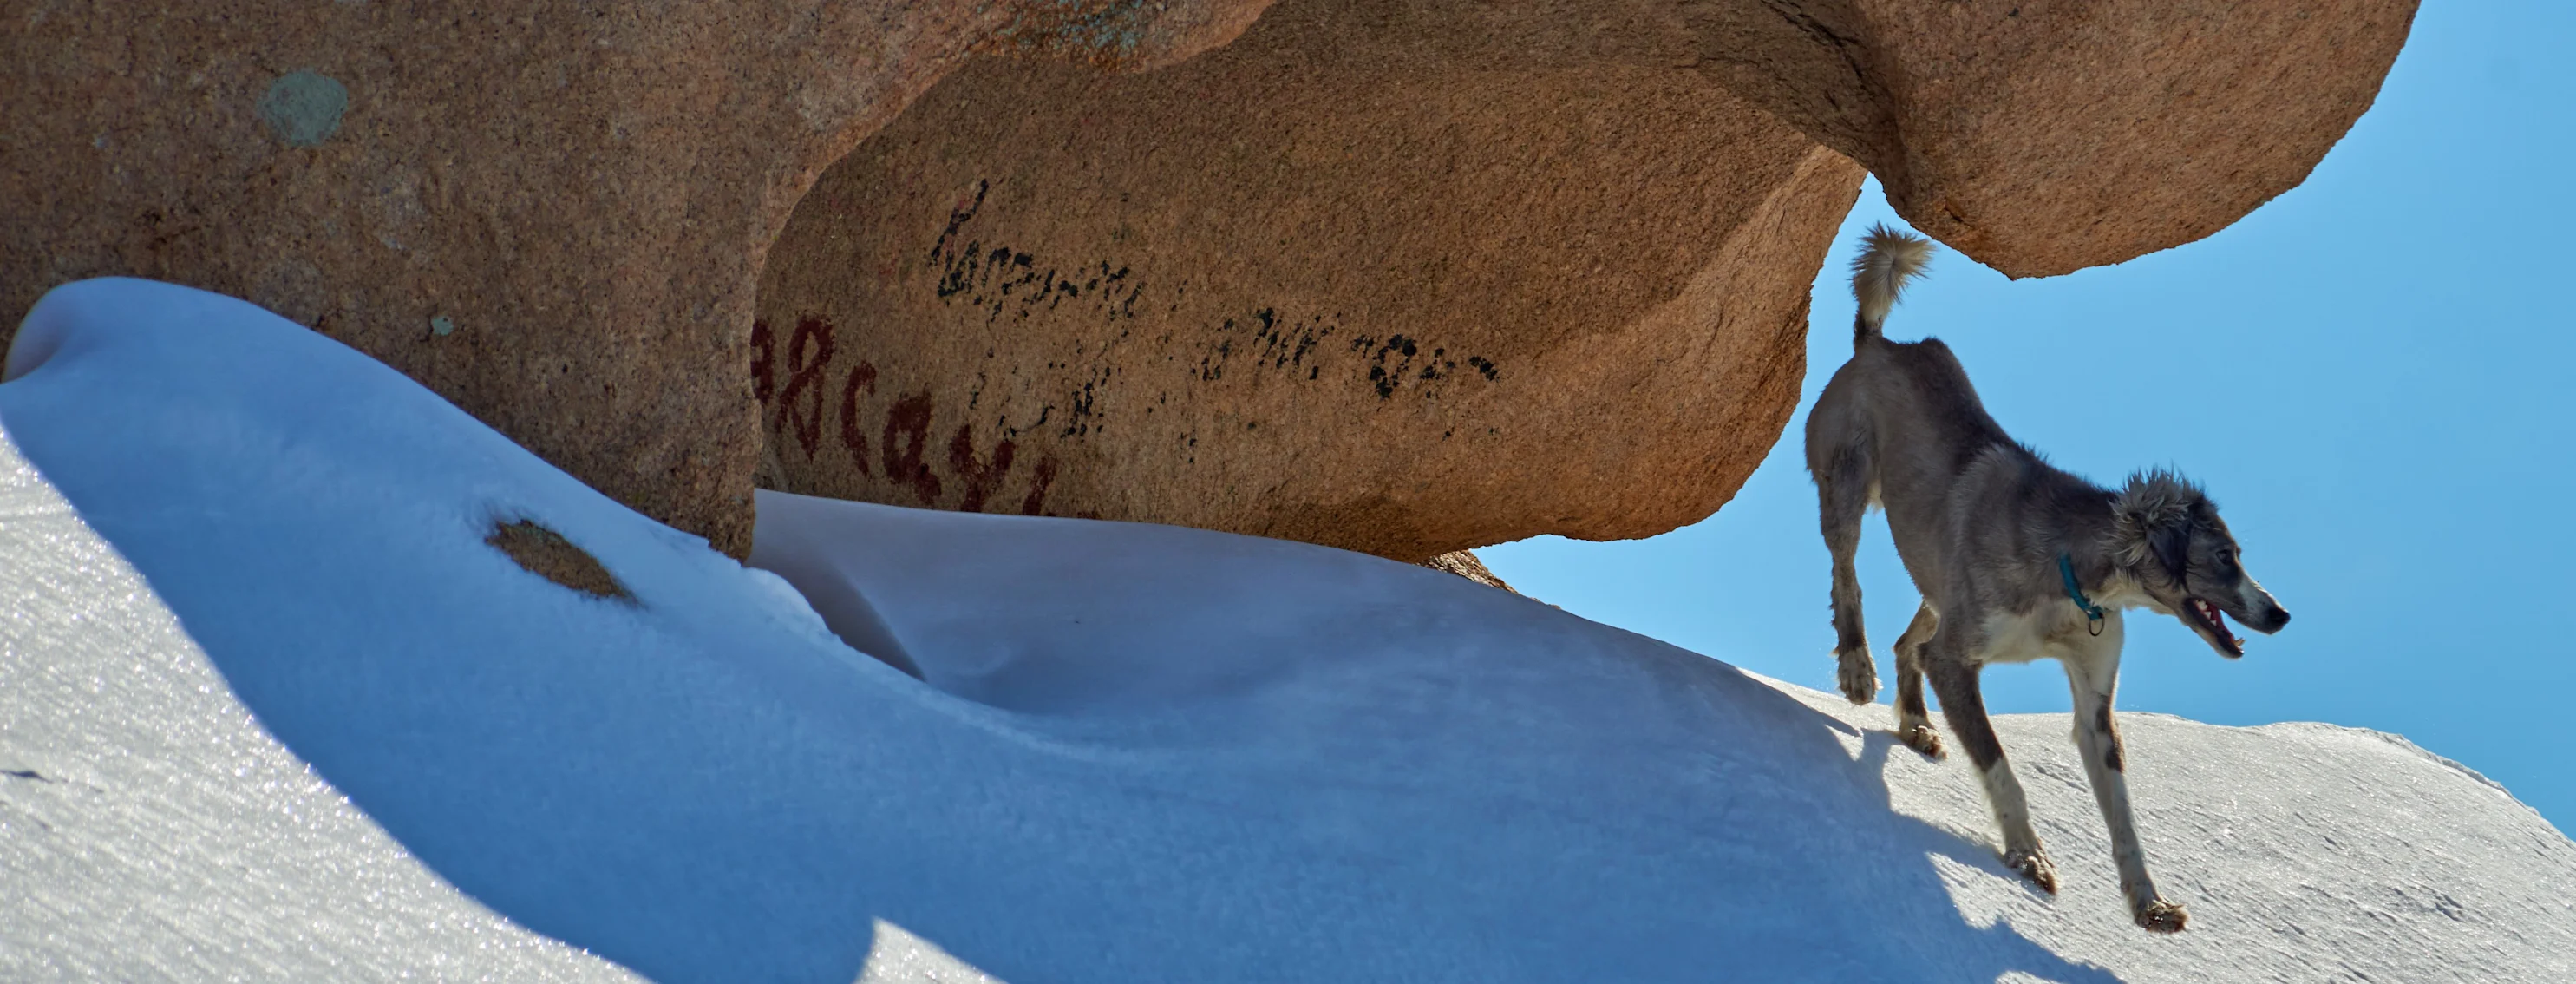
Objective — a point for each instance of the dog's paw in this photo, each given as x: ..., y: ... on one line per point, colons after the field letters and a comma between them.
x: 1857, y: 674
x: 1922, y: 739
x: 2033, y: 864
x: 2160, y: 916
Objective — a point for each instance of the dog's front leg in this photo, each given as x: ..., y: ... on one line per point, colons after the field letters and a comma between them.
x: 2097, y: 739
x: 1963, y: 702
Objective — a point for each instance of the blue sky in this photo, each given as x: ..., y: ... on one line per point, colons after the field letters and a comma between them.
x: 2373, y: 375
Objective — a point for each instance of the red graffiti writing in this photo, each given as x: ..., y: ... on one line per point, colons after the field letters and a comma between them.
x: 980, y: 478
x: 804, y: 377
x: 764, y: 377
x: 907, y: 435
x: 853, y: 438
x: 1035, y: 504
x: 794, y: 390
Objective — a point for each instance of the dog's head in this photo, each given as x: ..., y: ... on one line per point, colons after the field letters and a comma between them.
x: 2167, y: 536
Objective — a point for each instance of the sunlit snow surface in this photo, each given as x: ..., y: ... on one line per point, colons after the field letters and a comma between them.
x: 150, y: 831
x: 1136, y: 753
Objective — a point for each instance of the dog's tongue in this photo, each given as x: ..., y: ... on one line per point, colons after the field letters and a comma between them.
x: 2217, y: 622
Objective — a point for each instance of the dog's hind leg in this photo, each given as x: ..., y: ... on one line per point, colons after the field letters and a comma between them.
x: 1964, y: 703
x: 1913, y: 721
x: 1842, y: 498
x: 2097, y: 739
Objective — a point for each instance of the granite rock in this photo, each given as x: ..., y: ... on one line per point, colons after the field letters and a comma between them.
x: 2041, y: 137
x: 1398, y: 280
x: 551, y: 213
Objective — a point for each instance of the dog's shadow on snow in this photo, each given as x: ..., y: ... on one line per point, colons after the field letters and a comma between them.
x: 1625, y: 809
x: 1637, y: 811
x: 1903, y: 893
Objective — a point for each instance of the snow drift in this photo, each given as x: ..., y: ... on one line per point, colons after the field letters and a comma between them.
x: 1129, y: 753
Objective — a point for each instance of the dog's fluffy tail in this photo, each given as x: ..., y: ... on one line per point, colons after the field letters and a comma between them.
x: 1888, y: 259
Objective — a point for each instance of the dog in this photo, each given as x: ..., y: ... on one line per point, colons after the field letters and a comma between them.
x: 2015, y: 560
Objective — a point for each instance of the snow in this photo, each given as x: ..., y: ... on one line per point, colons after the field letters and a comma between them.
x: 1130, y: 752
x: 149, y: 830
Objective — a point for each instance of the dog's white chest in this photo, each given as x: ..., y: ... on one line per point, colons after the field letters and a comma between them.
x: 2058, y: 632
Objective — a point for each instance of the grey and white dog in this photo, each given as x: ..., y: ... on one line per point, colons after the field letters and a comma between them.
x: 2015, y: 559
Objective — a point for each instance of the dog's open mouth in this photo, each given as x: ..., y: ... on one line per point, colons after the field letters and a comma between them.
x: 2213, y: 624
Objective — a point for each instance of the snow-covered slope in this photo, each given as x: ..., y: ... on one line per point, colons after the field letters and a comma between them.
x: 149, y: 830
x: 1134, y: 753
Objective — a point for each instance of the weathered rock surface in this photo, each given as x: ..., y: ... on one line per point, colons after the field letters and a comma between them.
x: 1466, y: 564
x: 1410, y: 277
x: 1400, y: 284
x: 551, y: 213
x: 2040, y: 136
x: 555, y: 215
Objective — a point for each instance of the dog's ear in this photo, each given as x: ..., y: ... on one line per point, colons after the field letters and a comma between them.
x: 2152, y: 519
x: 2172, y: 545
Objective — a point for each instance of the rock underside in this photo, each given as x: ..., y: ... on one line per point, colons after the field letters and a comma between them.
x: 1407, y: 276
